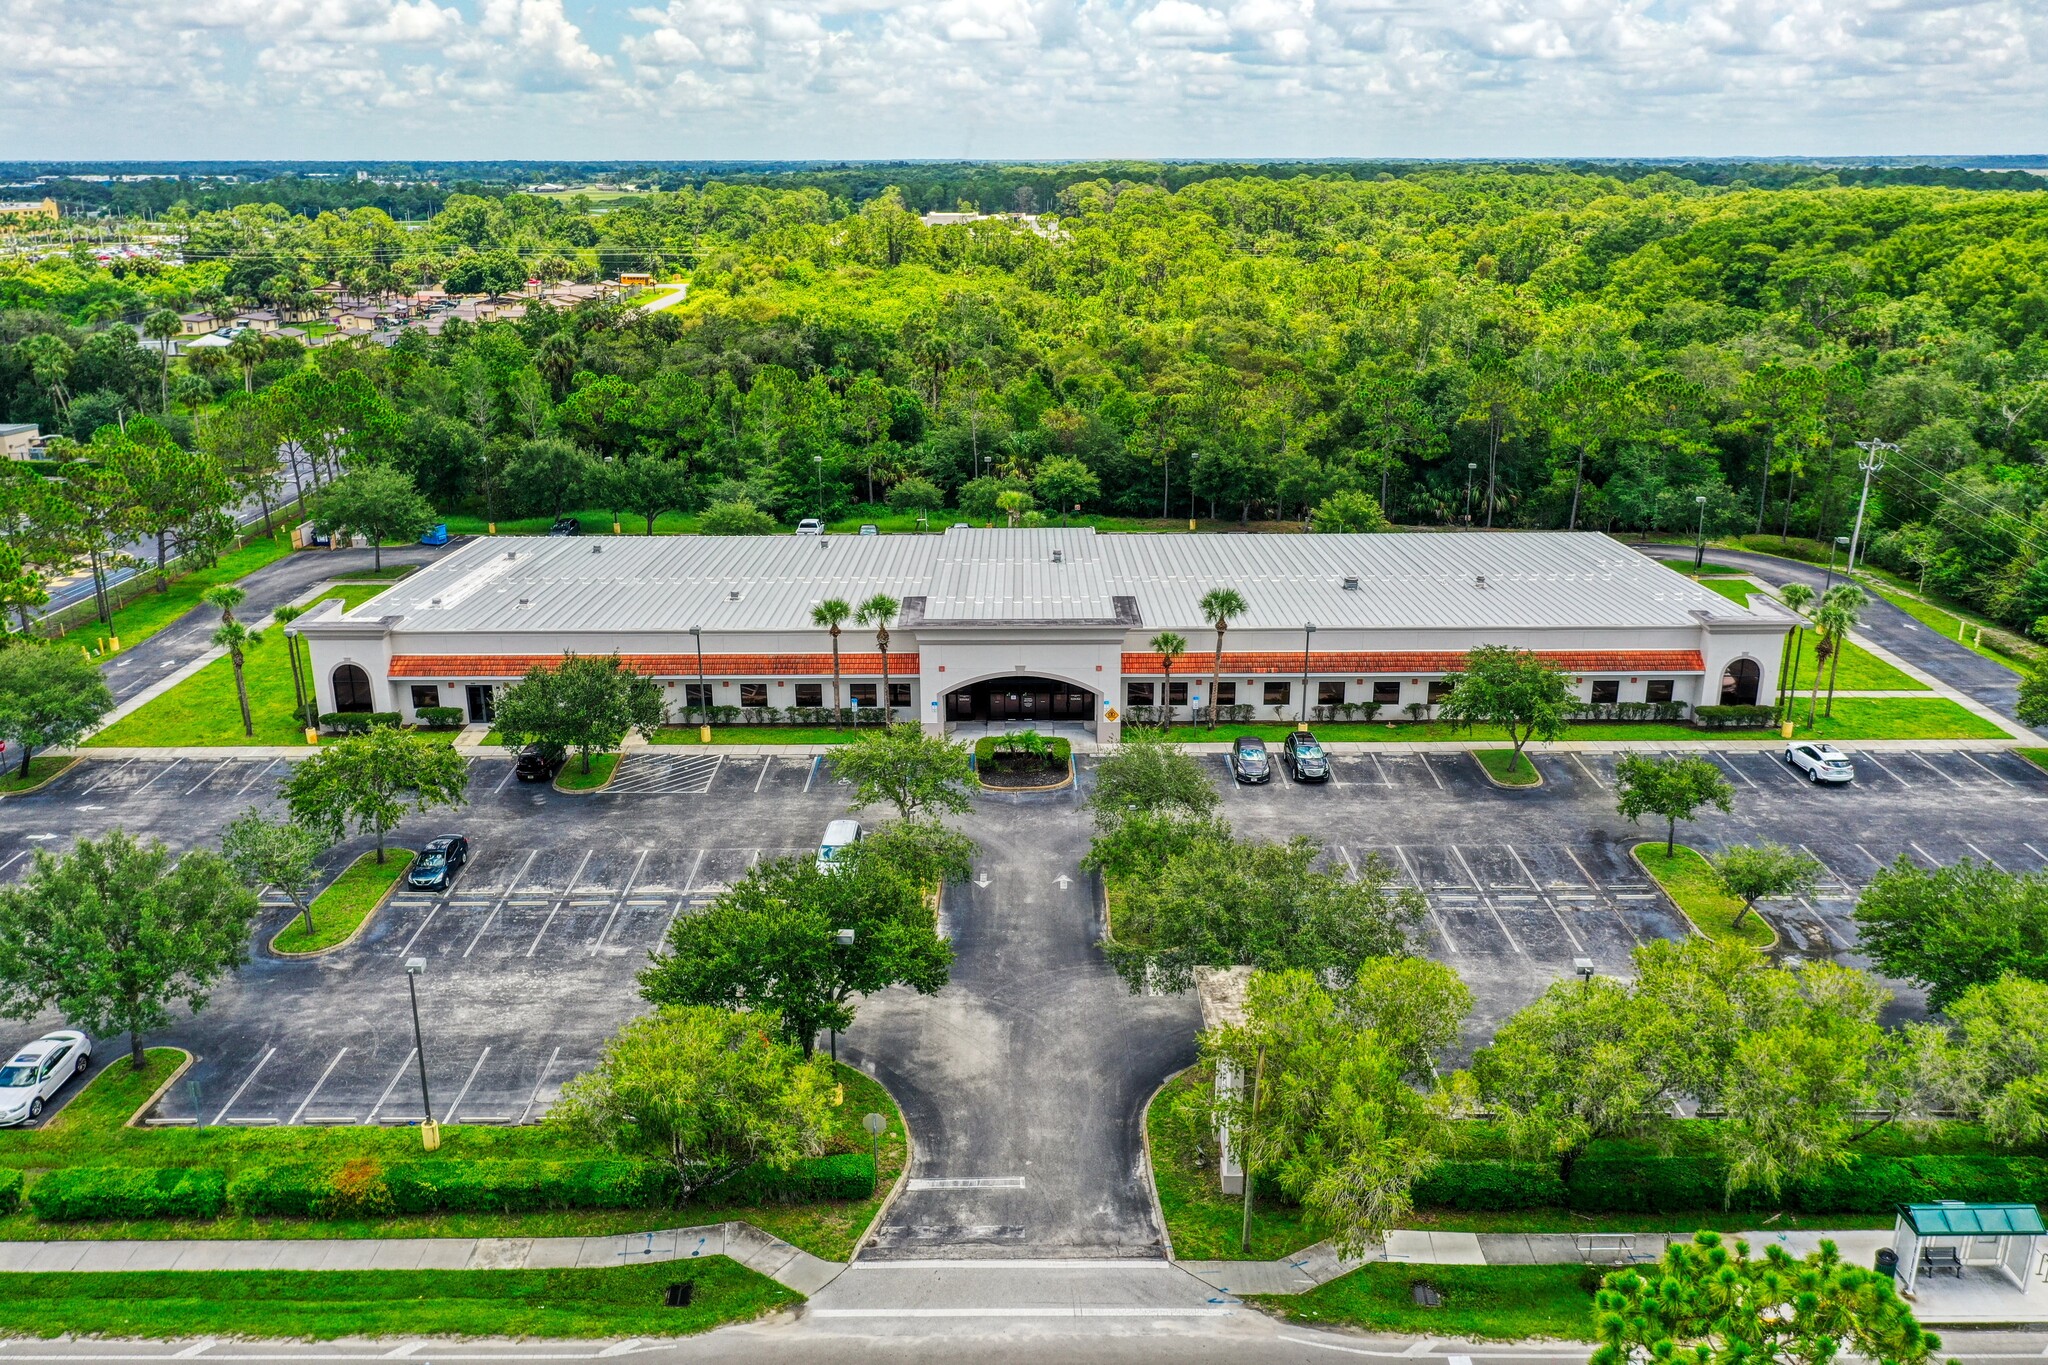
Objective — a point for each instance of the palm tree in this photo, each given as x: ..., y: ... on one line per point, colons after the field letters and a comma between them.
x: 234, y: 637
x: 1831, y: 622
x: 245, y: 350
x: 160, y: 327
x: 829, y: 613
x: 1846, y: 602
x: 1798, y: 597
x: 1168, y: 646
x: 284, y: 616
x: 878, y: 611
x: 1220, y: 605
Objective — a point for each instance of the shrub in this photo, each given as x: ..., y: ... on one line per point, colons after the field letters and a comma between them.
x: 1864, y: 1184
x: 1490, y: 1185
x: 846, y: 1175
x: 10, y: 1191
x: 440, y: 717
x: 1735, y: 717
x: 357, y: 722
x: 129, y: 1192
x: 369, y: 1188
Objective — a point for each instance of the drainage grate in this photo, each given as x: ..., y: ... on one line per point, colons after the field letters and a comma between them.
x: 680, y: 1293
x: 1425, y: 1295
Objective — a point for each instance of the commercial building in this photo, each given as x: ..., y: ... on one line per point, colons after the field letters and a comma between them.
x: 30, y: 208
x: 1045, y: 625
x: 20, y: 441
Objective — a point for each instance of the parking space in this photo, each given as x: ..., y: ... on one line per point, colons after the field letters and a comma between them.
x: 646, y: 773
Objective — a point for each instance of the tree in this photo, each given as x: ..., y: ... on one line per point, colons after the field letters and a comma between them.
x: 709, y: 1091
x: 772, y: 941
x: 925, y: 851
x: 240, y: 433
x: 1797, y: 596
x: 21, y: 587
x: 1954, y: 927
x: 246, y: 350
x: 105, y: 518
x: 1996, y: 1060
x: 113, y: 933
x: 917, y: 773
x: 740, y: 518
x: 586, y: 702
x: 1146, y: 772
x: 1347, y: 509
x: 378, y: 501
x: 160, y: 327
x: 302, y: 709
x: 1675, y: 788
x: 916, y: 493
x: 1168, y: 646
x: 1230, y: 903
x: 1514, y: 689
x: 1065, y: 483
x: 50, y: 695
x: 1755, y: 872
x: 1703, y: 1303
x: 181, y: 496
x: 878, y: 611
x: 236, y: 637
x: 2033, y: 699
x: 1221, y: 605
x: 372, y: 780
x: 1840, y: 610
x: 279, y: 853
x: 647, y: 485
x: 829, y: 613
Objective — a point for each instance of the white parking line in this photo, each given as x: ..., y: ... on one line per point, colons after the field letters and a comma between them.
x: 530, y: 856
x: 691, y: 885
x: 316, y: 1086
x: 1924, y: 853
x: 2028, y: 847
x: 396, y: 1077
x: 463, y: 1094
x: 1385, y: 781
x: 534, y: 1098
x: 812, y: 775
x: 1922, y: 761
x: 556, y: 908
x: 1875, y: 861
x: 1827, y: 930
x: 1866, y: 754
x: 12, y: 861
x: 111, y: 774
x: 176, y: 763
x: 2000, y: 776
x: 1838, y: 877
x: 1592, y: 881
x: 510, y: 773
x: 208, y: 778
x: 244, y: 788
x: 1524, y: 866
x: 1429, y: 910
x: 1982, y: 854
x: 1589, y: 772
x: 1467, y: 868
x: 1431, y: 769
x: 612, y: 918
x: 222, y: 1115
x: 766, y: 764
x: 1779, y: 766
x: 1730, y: 765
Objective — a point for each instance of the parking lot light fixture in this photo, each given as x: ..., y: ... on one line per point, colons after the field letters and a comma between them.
x: 703, y: 691
x: 1584, y: 967
x: 430, y: 1132
x: 841, y: 938
x: 876, y: 1125
x: 1699, y: 553
x: 1301, y: 716
x: 1839, y: 544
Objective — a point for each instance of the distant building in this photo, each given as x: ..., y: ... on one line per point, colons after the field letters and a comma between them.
x: 634, y: 280
x: 20, y: 441
x: 30, y: 208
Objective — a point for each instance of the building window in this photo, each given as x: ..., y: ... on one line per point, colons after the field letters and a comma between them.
x: 899, y: 694
x: 1278, y: 693
x: 1138, y: 694
x: 423, y: 697
x: 1658, y: 689
x: 753, y: 694
x: 1226, y: 694
x: 696, y: 695
x: 1606, y: 691
x: 861, y: 694
x: 1176, y: 694
x: 352, y: 689
x: 1740, y: 683
x: 1386, y: 693
x: 810, y: 694
x: 1329, y: 694
x: 1438, y: 690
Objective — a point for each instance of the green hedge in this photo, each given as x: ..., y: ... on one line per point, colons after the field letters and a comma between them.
x: 1680, y: 1184
x: 1735, y: 717
x: 10, y: 1191
x: 357, y: 722
x: 129, y: 1192
x: 1490, y: 1185
x: 847, y: 1175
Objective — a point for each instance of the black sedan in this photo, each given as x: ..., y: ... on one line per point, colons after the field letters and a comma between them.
x: 1248, y: 762
x: 1304, y: 756
x: 539, y: 763
x: 435, y: 868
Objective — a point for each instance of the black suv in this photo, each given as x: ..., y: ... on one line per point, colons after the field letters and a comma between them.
x: 566, y: 526
x: 539, y: 763
x: 1304, y: 756
x: 435, y: 868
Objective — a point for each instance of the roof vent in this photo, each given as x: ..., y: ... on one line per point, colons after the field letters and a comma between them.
x: 434, y: 602
x: 597, y: 549
x: 733, y: 596
x: 526, y: 601
x: 1351, y: 585
x: 1059, y: 556
x: 1479, y: 582
x: 511, y: 554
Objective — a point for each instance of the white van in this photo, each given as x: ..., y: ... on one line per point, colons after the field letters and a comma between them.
x: 839, y: 835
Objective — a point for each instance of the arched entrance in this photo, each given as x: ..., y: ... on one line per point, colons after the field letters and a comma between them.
x: 1740, y: 683
x: 1021, y: 697
x: 352, y: 690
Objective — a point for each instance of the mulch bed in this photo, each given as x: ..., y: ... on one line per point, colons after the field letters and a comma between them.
x: 1003, y: 772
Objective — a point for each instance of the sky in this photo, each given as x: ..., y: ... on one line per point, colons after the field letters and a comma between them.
x: 710, y: 79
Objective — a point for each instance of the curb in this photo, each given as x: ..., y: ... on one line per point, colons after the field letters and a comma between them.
x: 1777, y: 939
x: 354, y: 934
x: 1487, y: 773
x: 1152, y: 1167
x: 66, y: 762
x: 135, y: 1119
x: 618, y: 763
x: 902, y: 1176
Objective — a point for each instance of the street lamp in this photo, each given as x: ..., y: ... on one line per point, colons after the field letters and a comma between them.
x: 819, y: 462
x: 1699, y: 554
x: 430, y: 1132
x: 1301, y: 723
x: 841, y: 938
x: 1471, y: 469
x: 1584, y: 967
x: 703, y: 688
x: 1840, y: 543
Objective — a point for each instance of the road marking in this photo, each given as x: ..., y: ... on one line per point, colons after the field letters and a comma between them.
x: 316, y: 1086
x: 542, y: 1080
x: 2000, y: 776
x: 1843, y: 881
x: 1435, y: 919
x: 1466, y: 867
x: 691, y: 885
x: 812, y: 775
x: 1589, y: 772
x: 1385, y: 781
x: 1077, y: 1311
x: 969, y: 1182
x: 1826, y: 929
x: 195, y: 1349
x: 1875, y: 861
x: 766, y: 763
x: 510, y: 773
x: 175, y: 764
x: 208, y: 778
x: 612, y: 918
x: 1982, y: 854
x: 1923, y: 853
x: 396, y: 1077
x: 1885, y: 770
x: 112, y: 773
x: 496, y: 906
x: 244, y: 788
x: 1936, y: 771
x: 2028, y: 847
x: 12, y: 861
x: 1591, y: 881
x: 217, y: 1118
x: 1730, y: 765
x: 1524, y: 866
x: 1430, y: 768
x: 463, y: 1094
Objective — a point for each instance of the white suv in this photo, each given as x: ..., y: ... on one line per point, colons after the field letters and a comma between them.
x: 1821, y: 762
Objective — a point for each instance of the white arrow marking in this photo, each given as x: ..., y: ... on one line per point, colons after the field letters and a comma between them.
x: 981, y: 881
x: 1064, y: 880
x: 40, y: 836
x: 88, y: 807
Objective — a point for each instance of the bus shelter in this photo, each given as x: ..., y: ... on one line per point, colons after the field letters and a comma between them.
x: 1945, y: 1238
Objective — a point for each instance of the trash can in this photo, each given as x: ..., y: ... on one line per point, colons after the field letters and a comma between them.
x: 1887, y: 1262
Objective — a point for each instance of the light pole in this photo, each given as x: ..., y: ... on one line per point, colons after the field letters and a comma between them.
x: 876, y: 1126
x: 841, y: 938
x: 1699, y: 553
x: 1839, y: 544
x: 1471, y: 470
x: 1872, y: 462
x: 430, y: 1132
x: 703, y: 688
x: 1308, y: 630
x: 819, y: 462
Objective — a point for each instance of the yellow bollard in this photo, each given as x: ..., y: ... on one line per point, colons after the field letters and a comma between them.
x: 312, y: 735
x: 494, y: 528
x: 615, y: 529
x: 1785, y: 730
x: 86, y: 652
x: 117, y: 644
x: 703, y: 734
x: 1191, y: 523
x: 430, y: 1135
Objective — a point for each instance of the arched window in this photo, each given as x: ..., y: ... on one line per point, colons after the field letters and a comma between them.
x: 352, y: 689
x: 1739, y: 684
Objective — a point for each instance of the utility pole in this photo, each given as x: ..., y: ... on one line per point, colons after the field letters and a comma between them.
x: 1871, y: 462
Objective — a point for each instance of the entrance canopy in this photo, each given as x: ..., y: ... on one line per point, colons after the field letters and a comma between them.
x: 1933, y: 1238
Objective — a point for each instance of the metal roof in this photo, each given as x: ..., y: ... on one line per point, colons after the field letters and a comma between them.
x: 1988, y: 1220
x: 1524, y: 579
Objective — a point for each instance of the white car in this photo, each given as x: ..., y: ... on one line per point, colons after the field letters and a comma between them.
x: 840, y: 835
x: 810, y: 526
x: 1821, y: 762
x: 39, y: 1071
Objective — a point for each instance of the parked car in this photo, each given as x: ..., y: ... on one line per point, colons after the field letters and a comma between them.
x: 868, y: 528
x: 810, y: 526
x: 566, y: 526
x: 840, y: 835
x: 539, y: 763
x: 1304, y: 756
x: 39, y: 1071
x: 1248, y: 761
x: 437, y: 536
x: 1820, y: 762
x: 435, y: 868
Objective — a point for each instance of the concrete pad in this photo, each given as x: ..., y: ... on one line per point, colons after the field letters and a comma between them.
x: 500, y: 1253
x: 1509, y: 1248
x: 1250, y: 1277
x: 405, y: 1255
x: 1982, y: 1295
x: 236, y: 1255
x: 1015, y: 1288
x: 115, y: 1256
x: 1435, y: 1248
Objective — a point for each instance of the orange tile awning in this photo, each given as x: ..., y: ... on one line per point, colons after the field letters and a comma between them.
x: 1416, y: 662
x: 501, y: 666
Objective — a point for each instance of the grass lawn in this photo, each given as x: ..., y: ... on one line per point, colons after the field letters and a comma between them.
x: 1497, y: 763
x: 388, y: 574
x: 597, y: 521
x: 572, y: 778
x: 89, y: 1131
x: 1896, y: 718
x: 345, y: 904
x: 757, y: 734
x: 621, y: 1301
x: 40, y: 770
x: 1689, y: 880
x: 203, y: 710
x: 1861, y: 670
x: 1948, y: 624
x: 1707, y: 570
x: 1854, y: 718
x: 150, y: 612
x: 1486, y: 1303
x: 2037, y: 757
